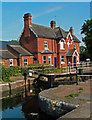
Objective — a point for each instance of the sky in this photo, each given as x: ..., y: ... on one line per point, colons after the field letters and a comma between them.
x: 66, y: 14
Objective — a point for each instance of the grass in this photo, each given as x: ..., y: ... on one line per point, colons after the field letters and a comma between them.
x: 73, y: 95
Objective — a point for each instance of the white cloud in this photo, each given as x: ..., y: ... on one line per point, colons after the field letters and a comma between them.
x: 47, y: 11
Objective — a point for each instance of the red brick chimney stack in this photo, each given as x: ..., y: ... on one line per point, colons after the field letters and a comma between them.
x: 53, y: 24
x: 71, y: 30
x: 27, y: 23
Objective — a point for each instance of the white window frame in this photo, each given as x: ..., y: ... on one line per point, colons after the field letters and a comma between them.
x: 11, y: 62
x: 44, y: 60
x: 62, y: 59
x: 77, y: 59
x: 62, y: 47
x: 49, y: 58
x: 45, y: 45
x: 25, y: 62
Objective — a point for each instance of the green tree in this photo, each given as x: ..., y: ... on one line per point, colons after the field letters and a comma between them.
x: 82, y: 49
x: 87, y: 39
x: 13, y: 41
x: 84, y: 54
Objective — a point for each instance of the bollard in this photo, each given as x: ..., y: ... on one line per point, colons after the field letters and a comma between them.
x: 30, y: 73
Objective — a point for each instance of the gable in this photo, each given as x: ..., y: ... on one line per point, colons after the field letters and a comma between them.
x: 69, y: 35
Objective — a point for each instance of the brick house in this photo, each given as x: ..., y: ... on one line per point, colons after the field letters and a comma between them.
x: 12, y: 54
x: 50, y: 45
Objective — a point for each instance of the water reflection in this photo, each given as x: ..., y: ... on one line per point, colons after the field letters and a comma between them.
x: 25, y: 103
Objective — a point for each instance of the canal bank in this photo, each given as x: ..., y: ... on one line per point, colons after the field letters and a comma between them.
x: 11, y: 88
x: 66, y: 101
x: 53, y: 101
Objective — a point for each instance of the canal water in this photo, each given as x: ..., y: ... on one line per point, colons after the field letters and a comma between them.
x: 23, y: 105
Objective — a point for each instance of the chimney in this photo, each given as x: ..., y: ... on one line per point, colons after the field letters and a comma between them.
x: 53, y: 24
x: 27, y: 23
x: 71, y: 30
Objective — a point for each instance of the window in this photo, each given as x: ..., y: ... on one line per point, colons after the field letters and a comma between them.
x: 74, y: 46
x: 11, y: 62
x: 62, y: 60
x: 45, y: 44
x: 49, y: 59
x: 61, y: 44
x: 44, y: 59
x: 25, y: 61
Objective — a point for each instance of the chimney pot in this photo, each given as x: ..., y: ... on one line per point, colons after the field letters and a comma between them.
x: 53, y: 24
x: 71, y: 30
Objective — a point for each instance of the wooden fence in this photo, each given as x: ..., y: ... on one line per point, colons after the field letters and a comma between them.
x: 50, y: 68
x: 79, y: 73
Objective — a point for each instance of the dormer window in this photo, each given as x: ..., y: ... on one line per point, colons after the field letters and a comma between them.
x: 74, y: 46
x: 61, y: 45
x: 46, y: 45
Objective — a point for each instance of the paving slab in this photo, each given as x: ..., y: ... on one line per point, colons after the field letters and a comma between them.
x: 80, y: 112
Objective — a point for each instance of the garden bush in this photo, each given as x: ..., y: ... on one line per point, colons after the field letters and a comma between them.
x: 7, y: 72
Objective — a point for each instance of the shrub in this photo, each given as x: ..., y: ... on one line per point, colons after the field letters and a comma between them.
x: 7, y: 72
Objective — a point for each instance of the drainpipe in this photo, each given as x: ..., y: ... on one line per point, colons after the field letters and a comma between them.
x: 21, y: 59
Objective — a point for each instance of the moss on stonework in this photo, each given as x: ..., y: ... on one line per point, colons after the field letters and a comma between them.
x: 73, y: 95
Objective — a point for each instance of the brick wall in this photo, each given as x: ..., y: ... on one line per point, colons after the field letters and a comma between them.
x: 30, y: 43
x: 30, y: 60
x: 7, y: 62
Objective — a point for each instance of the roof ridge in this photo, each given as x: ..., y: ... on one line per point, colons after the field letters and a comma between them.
x: 42, y: 26
x: 14, y: 45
